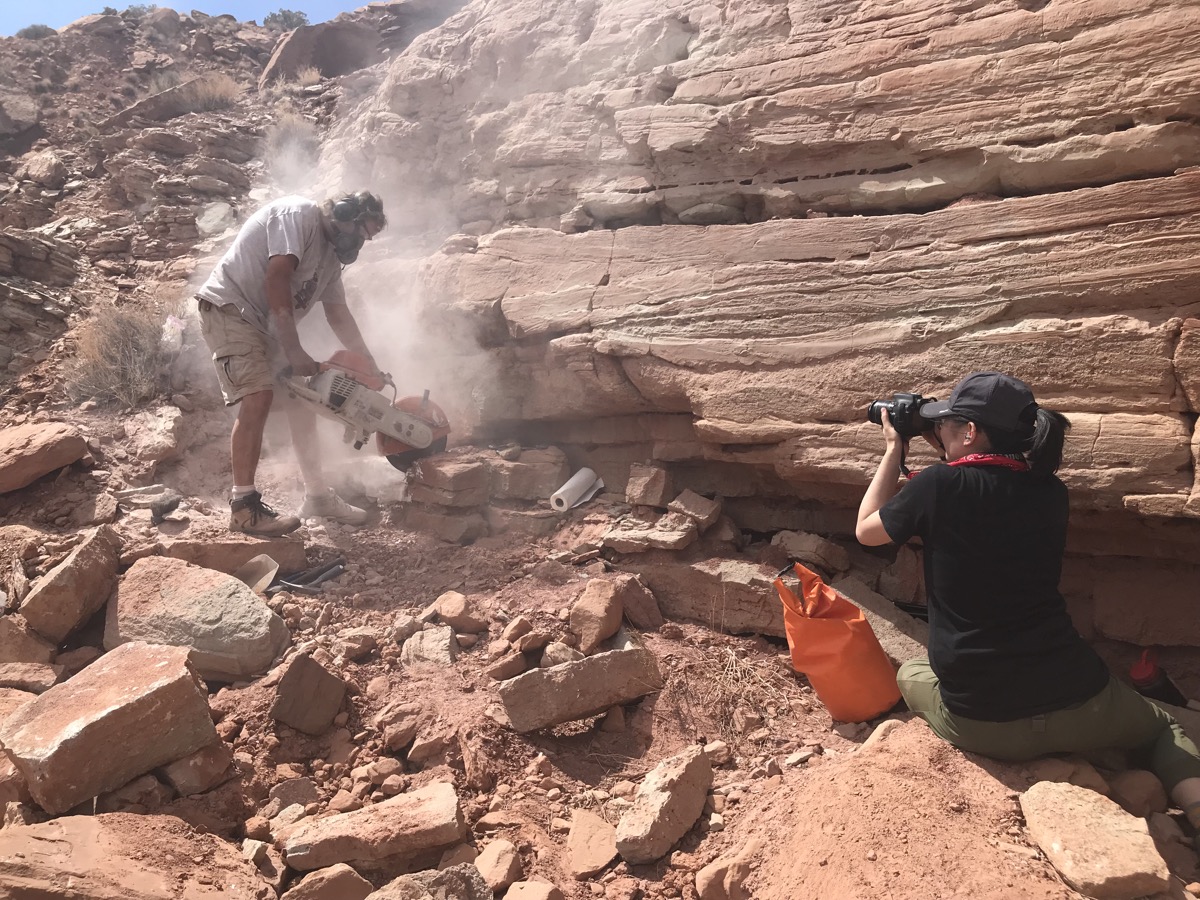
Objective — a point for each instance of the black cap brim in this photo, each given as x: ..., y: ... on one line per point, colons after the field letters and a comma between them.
x: 938, y: 409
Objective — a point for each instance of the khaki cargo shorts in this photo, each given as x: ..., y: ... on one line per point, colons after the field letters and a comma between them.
x: 246, y: 360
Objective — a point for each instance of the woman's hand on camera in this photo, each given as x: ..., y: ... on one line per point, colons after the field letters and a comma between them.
x: 894, y: 441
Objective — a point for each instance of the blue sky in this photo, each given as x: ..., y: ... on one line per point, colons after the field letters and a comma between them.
x: 15, y: 15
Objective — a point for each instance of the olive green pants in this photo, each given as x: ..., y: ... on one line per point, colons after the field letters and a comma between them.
x: 1118, y: 717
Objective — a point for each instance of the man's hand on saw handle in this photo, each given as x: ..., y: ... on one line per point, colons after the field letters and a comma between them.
x: 301, y: 364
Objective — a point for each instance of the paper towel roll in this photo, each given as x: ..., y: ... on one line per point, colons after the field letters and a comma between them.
x: 580, y: 487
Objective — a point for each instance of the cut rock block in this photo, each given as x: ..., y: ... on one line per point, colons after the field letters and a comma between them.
x: 591, y: 844
x: 1098, y: 848
x: 402, y: 827
x: 231, y: 632
x: 694, y: 506
x: 730, y: 595
x: 901, y: 636
x: 667, y: 805
x: 308, y: 696
x: 648, y: 486
x: 596, y: 615
x: 119, y: 856
x: 575, y: 690
x: 74, y: 590
x: 534, y: 475
x: 450, y: 473
x: 141, y: 698
x: 27, y: 452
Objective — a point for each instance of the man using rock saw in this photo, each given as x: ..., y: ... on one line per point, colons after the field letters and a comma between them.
x: 286, y: 259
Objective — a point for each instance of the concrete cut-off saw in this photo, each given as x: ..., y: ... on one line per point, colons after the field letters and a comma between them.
x: 347, y: 390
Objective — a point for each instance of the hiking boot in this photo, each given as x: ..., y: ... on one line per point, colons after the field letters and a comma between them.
x: 330, y: 506
x: 250, y: 515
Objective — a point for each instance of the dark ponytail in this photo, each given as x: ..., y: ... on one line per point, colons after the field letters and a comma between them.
x: 1046, y: 446
x: 1043, y: 450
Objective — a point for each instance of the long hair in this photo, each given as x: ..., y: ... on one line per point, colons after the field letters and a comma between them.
x: 1043, y: 449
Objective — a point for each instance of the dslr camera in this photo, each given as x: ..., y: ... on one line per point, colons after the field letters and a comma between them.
x: 904, y: 410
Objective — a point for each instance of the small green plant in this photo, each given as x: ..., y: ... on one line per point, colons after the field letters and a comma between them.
x: 36, y: 32
x: 285, y: 20
x: 118, y: 357
x: 109, y: 11
x: 137, y: 10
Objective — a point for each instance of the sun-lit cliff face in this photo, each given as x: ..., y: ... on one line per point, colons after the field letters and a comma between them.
x: 711, y: 233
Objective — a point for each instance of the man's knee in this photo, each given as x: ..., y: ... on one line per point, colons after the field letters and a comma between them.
x: 255, y: 407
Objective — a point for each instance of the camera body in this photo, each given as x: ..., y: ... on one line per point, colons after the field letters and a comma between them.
x: 904, y: 411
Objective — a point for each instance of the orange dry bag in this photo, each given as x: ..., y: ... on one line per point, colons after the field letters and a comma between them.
x: 834, y: 646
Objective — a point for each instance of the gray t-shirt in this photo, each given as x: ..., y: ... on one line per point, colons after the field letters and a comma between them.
x: 290, y: 225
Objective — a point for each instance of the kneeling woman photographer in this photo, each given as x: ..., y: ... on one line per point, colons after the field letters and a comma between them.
x: 1008, y: 676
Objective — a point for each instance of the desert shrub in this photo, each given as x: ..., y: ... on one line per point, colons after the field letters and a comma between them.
x: 136, y: 11
x: 36, y: 32
x: 285, y: 20
x: 308, y: 76
x: 109, y: 11
x: 214, y: 92
x: 118, y: 357
x: 164, y: 80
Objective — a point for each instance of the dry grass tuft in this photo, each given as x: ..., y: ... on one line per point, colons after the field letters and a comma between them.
x: 308, y: 76
x: 727, y: 687
x: 118, y: 357
x: 164, y: 80
x: 214, y: 92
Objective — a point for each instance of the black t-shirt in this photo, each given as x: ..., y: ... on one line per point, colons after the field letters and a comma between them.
x: 1000, y: 639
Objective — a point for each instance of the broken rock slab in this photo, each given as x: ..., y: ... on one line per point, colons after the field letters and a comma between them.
x: 460, y: 882
x: 575, y: 690
x: 403, y: 827
x: 673, y: 531
x: 704, y: 511
x: 27, y: 452
x: 140, y: 698
x: 813, y: 550
x: 735, y: 596
x: 18, y: 643
x: 308, y: 696
x: 901, y: 636
x: 1098, y: 848
x: 36, y: 678
x: 200, y: 771
x: 229, y: 552
x: 534, y: 475
x: 667, y: 804
x: 231, y: 632
x: 648, y: 486
x: 74, y: 590
x: 105, y: 857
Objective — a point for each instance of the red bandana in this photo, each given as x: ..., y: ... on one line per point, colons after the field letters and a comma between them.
x: 1014, y: 463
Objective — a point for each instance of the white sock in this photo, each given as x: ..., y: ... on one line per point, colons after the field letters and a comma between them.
x: 240, y: 491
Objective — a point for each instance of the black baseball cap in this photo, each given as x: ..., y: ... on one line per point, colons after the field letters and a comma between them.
x: 991, y: 399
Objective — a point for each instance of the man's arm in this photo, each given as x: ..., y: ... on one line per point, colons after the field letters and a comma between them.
x: 869, y: 528
x: 279, y: 298
x: 345, y: 329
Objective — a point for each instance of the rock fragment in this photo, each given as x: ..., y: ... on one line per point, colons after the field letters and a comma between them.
x: 18, y: 643
x: 200, y: 771
x: 337, y: 882
x: 574, y: 690
x: 74, y: 590
x: 140, y: 697
x: 667, y: 805
x: 27, y: 452
x: 402, y: 827
x: 1099, y: 849
x: 36, y: 678
x: 308, y: 695
x: 705, y: 512
x: 499, y: 864
x: 459, y: 613
x: 648, y: 486
x: 591, y: 844
x: 596, y: 615
x: 431, y: 647
x: 533, y: 890
x: 231, y: 633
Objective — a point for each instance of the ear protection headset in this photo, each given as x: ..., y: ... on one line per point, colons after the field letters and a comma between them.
x: 353, y: 208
